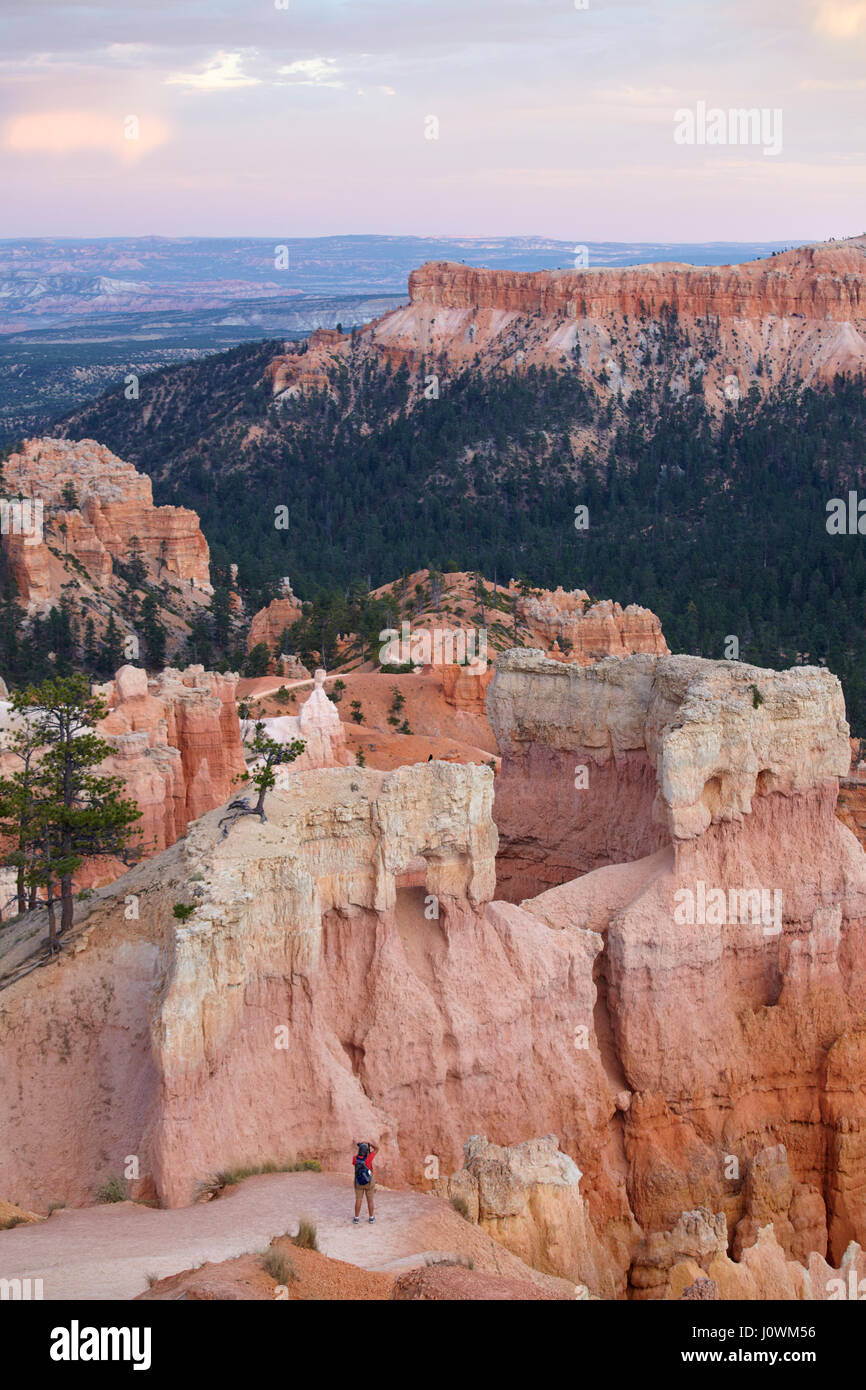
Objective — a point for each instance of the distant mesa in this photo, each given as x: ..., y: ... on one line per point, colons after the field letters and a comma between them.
x: 723, y: 330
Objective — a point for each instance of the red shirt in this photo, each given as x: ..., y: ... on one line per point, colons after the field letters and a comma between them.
x: 368, y: 1161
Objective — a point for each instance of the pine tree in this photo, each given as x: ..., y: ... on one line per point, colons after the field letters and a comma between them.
x: 154, y: 632
x: 112, y: 648
x: 77, y: 813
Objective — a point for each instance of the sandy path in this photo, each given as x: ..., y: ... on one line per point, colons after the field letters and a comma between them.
x: 107, y: 1252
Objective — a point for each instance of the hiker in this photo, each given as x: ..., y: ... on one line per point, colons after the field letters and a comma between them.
x: 365, y: 1183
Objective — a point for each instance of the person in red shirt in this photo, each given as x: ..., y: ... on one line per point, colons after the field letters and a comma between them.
x: 363, y: 1165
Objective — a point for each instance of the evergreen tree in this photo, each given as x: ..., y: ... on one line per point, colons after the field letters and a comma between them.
x: 112, y: 648
x: 75, y: 813
x: 154, y: 632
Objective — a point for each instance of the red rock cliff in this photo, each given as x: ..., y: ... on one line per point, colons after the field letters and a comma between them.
x: 98, y: 510
x: 732, y: 328
x: 178, y: 746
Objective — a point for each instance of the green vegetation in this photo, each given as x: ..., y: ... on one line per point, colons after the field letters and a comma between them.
x: 114, y: 1190
x: 216, y: 1184
x: 55, y: 809
x: 716, y: 525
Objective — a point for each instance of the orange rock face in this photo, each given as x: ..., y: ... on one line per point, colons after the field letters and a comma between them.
x: 96, y: 509
x: 585, y: 632
x: 269, y: 624
x: 297, y: 373
x: 178, y: 746
x: 733, y: 327
x: 465, y: 688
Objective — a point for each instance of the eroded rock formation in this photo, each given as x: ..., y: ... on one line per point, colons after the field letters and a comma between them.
x: 731, y: 997
x: 685, y: 1022
x: 528, y: 1197
x: 610, y: 762
x: 178, y: 746
x: 269, y: 624
x: 585, y: 632
x: 318, y: 726
x: 96, y: 510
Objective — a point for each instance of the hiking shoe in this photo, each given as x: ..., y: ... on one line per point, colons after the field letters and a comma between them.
x: 372, y: 1219
x: 354, y: 1220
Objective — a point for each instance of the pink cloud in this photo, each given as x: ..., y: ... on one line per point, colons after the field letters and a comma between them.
x: 128, y: 135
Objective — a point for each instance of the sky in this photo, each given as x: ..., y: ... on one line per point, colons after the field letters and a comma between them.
x: 433, y: 117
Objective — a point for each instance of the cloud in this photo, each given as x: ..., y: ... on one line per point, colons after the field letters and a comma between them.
x: 68, y: 132
x: 222, y: 74
x: 313, y: 72
x: 840, y: 19
x: 845, y: 84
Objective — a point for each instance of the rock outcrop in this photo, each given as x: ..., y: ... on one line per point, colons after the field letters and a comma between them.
x: 319, y: 726
x: 586, y: 632
x: 639, y: 752
x: 692, y: 1263
x: 96, y: 510
x: 178, y: 746
x: 465, y: 687
x: 731, y: 1006
x: 269, y: 624
x: 527, y: 1196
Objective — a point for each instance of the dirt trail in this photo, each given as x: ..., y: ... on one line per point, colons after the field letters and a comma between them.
x: 107, y: 1252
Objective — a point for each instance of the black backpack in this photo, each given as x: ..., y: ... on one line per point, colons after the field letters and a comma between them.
x: 362, y: 1172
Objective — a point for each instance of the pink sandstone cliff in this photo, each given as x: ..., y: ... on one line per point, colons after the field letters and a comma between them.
x: 729, y: 1036
x: 662, y: 1099
x: 111, y: 516
x: 585, y: 632
x: 178, y: 746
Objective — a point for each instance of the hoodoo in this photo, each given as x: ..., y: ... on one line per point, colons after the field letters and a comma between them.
x: 664, y: 1098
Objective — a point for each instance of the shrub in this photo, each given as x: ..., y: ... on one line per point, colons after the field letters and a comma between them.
x: 279, y: 1266
x: 216, y: 1183
x: 461, y: 1205
x: 306, y: 1238
x: 183, y: 911
x: 114, y: 1190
